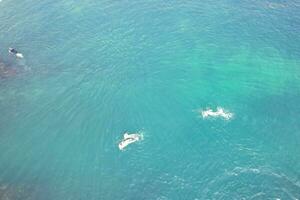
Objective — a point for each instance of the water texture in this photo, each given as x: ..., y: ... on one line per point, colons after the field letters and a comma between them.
x: 95, y: 69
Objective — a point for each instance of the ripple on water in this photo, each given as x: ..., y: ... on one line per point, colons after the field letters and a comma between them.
x: 252, y: 183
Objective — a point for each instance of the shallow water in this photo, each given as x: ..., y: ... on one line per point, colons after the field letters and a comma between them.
x: 95, y: 69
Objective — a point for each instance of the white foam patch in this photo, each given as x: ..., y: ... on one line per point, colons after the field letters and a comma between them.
x: 220, y: 112
x: 19, y: 55
x: 129, y: 139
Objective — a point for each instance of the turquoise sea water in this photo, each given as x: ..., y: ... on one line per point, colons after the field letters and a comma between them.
x: 95, y: 69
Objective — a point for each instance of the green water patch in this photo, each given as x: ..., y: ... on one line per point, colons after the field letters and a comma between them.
x: 235, y: 72
x: 263, y: 69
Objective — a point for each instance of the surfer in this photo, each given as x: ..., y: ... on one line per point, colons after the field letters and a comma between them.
x: 15, y: 52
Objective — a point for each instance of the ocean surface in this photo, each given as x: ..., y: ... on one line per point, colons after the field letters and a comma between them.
x: 94, y: 69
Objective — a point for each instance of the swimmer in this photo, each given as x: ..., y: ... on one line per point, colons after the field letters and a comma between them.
x: 15, y: 52
x: 128, y: 139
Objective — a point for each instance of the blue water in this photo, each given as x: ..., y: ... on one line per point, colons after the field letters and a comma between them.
x: 95, y: 69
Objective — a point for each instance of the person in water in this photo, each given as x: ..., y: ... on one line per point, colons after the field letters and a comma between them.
x: 15, y: 52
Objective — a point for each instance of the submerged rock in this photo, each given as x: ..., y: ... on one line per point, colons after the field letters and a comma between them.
x: 16, y: 192
x: 6, y: 71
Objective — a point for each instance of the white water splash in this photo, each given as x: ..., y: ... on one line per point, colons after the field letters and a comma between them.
x: 220, y: 112
x: 19, y: 55
x: 129, y: 139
